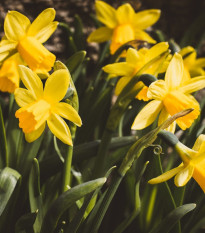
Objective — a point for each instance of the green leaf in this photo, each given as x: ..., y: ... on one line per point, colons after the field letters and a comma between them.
x: 35, y: 197
x: 64, y: 201
x: 25, y: 223
x: 75, y: 60
x: 8, y: 181
x: 172, y: 218
x: 3, y: 147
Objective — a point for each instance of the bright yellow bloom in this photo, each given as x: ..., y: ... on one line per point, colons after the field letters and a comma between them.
x: 9, y: 75
x: 25, y: 38
x: 171, y: 96
x: 39, y: 106
x: 135, y: 60
x: 193, y: 66
x: 122, y: 24
x: 193, y: 165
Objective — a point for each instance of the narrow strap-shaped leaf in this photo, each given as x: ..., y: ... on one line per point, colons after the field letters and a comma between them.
x: 172, y: 218
x: 64, y: 201
x: 8, y: 181
x: 35, y: 197
x: 25, y: 223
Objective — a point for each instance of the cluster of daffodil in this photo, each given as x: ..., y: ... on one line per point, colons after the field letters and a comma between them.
x: 20, y: 47
x: 139, y: 82
x: 184, y: 73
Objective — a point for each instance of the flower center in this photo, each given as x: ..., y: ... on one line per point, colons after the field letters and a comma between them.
x: 38, y: 58
x: 33, y: 116
x: 175, y: 102
x: 121, y: 34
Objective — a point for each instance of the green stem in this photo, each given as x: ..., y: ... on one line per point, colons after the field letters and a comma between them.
x: 67, y: 169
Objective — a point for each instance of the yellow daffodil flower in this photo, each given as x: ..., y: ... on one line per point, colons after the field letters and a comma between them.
x: 25, y: 38
x: 193, y: 165
x: 122, y: 24
x: 39, y: 106
x: 9, y: 75
x: 193, y: 66
x: 135, y: 60
x: 171, y: 96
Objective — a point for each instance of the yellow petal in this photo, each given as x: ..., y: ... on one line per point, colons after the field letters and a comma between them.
x: 146, y: 18
x: 106, y: 14
x: 156, y: 50
x: 167, y: 175
x: 147, y: 115
x: 199, y: 173
x: 9, y: 76
x: 184, y: 176
x: 142, y: 95
x: 120, y: 69
x: 186, y: 50
x: 102, y: 34
x: 31, y: 81
x: 23, y: 97
x: 8, y: 46
x: 132, y: 56
x: 125, y: 14
x: 30, y: 137
x: 44, y: 34
x: 60, y: 129
x: 194, y: 84
x: 38, y: 58
x: 141, y: 35
x: 174, y: 74
x: 200, y: 62
x: 15, y: 25
x: 56, y: 86
x: 157, y: 90
x: 199, y: 143
x: 163, y: 116
x: 68, y: 112
x: 122, y: 82
x: 42, y: 21
x: 176, y: 101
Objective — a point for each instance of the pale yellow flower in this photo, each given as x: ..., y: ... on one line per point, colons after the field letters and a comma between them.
x: 171, y: 96
x: 122, y: 24
x: 25, y: 38
x: 39, y: 105
x: 193, y: 66
x: 193, y: 165
x: 136, y: 60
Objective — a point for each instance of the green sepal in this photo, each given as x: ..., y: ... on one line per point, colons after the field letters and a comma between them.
x: 168, y: 137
